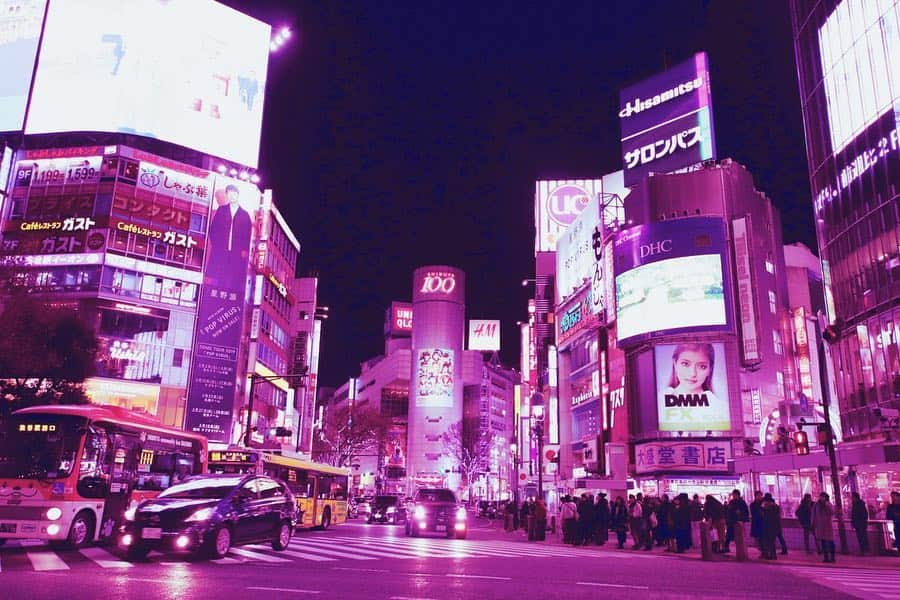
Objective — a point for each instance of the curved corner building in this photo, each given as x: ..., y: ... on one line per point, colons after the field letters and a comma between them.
x: 848, y: 61
x: 436, y: 386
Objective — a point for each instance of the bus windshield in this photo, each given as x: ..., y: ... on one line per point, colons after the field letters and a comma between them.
x: 40, y: 446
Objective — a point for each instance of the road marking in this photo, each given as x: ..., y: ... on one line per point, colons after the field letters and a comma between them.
x: 307, y: 556
x: 327, y: 552
x: 229, y: 560
x: 102, y: 558
x: 375, y: 552
x: 358, y: 569
x: 461, y: 576
x: 257, y: 555
x: 613, y: 585
x: 291, y: 590
x: 46, y: 561
x: 409, y: 598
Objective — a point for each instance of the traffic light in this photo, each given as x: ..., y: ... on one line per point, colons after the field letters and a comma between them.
x: 823, y: 433
x: 801, y: 443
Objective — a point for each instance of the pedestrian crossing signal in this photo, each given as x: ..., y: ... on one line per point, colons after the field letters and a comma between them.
x: 801, y: 443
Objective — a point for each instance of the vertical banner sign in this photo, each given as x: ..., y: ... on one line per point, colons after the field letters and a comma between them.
x: 746, y: 302
x: 804, y: 361
x: 220, y: 312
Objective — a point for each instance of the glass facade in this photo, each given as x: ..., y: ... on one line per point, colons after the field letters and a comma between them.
x: 848, y: 59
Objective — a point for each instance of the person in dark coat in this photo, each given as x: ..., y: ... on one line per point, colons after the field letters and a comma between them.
x: 601, y: 514
x: 892, y: 513
x: 586, y: 521
x: 822, y: 516
x: 618, y: 520
x: 736, y: 512
x: 696, y: 517
x: 770, y: 526
x: 681, y: 522
x: 859, y: 518
x: 664, y: 521
x: 756, y: 518
x: 804, y: 515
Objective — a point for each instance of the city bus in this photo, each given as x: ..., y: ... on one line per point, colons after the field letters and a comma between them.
x: 320, y: 490
x: 69, y: 473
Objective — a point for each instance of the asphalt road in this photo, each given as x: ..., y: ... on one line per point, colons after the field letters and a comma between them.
x: 362, y: 561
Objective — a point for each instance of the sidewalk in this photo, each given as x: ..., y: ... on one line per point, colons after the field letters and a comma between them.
x: 793, y: 558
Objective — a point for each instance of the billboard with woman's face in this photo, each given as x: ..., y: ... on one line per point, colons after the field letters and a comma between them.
x: 692, y: 387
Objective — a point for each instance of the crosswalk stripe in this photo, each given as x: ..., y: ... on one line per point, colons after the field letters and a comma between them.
x: 369, y: 550
x: 257, y: 555
x: 338, y: 553
x: 307, y: 556
x: 104, y: 558
x: 46, y: 561
x: 229, y: 560
x: 410, y: 551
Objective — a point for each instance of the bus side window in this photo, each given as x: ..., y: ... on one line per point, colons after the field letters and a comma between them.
x: 302, y: 484
x: 325, y: 487
x: 339, y: 488
x: 93, y: 476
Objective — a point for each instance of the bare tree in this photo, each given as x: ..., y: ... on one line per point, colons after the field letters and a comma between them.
x: 470, y: 446
x: 46, y: 353
x: 348, y: 433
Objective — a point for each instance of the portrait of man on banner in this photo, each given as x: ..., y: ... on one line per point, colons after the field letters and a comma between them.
x: 229, y: 241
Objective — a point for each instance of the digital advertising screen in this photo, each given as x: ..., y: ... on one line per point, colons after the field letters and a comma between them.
x: 667, y: 121
x: 189, y: 72
x: 20, y: 30
x: 434, y: 378
x: 692, y: 387
x: 669, y: 277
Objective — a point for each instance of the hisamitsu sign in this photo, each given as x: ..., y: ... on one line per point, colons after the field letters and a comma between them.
x: 682, y: 456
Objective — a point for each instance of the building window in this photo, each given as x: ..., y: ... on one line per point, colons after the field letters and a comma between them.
x: 776, y: 340
x: 773, y: 304
x: 779, y: 377
x: 770, y: 267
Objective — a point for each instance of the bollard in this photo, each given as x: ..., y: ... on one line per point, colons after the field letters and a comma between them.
x: 508, y: 522
x: 740, y: 543
x: 529, y: 527
x: 553, y: 524
x: 705, y: 549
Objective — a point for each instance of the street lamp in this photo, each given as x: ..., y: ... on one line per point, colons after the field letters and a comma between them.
x: 254, y: 378
x: 537, y: 417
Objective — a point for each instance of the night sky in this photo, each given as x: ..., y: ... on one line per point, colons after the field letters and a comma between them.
x: 404, y: 133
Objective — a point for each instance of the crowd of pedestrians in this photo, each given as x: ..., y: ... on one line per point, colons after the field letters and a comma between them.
x: 675, y: 523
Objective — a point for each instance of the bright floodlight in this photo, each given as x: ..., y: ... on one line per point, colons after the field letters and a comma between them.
x: 285, y: 32
x: 254, y: 178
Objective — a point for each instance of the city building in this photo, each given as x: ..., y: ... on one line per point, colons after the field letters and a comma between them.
x: 138, y: 205
x: 848, y: 62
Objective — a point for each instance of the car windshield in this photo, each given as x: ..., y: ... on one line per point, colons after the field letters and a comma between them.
x: 382, y: 501
x: 40, y: 446
x: 435, y: 496
x: 205, y: 488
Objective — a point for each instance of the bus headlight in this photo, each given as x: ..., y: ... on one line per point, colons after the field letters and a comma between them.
x: 54, y: 513
x: 460, y: 514
x: 204, y: 514
x: 419, y: 513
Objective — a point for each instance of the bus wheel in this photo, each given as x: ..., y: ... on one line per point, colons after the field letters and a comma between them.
x: 81, y: 532
x: 326, y: 518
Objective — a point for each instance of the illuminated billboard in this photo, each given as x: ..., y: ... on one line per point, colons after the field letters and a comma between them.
x: 20, y: 30
x: 399, y: 320
x: 692, y: 387
x: 434, y: 378
x: 667, y: 121
x: 220, y: 312
x: 484, y: 335
x: 440, y: 284
x: 189, y: 72
x: 556, y: 204
x: 669, y: 277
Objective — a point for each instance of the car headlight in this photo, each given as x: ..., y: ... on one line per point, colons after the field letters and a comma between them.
x: 460, y: 514
x: 131, y: 513
x: 391, y: 509
x: 419, y: 513
x: 54, y: 513
x: 204, y: 514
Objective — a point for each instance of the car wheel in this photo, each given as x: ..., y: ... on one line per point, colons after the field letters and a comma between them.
x: 282, y: 536
x: 81, y: 532
x: 220, y: 542
x: 137, y: 552
x: 326, y: 518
